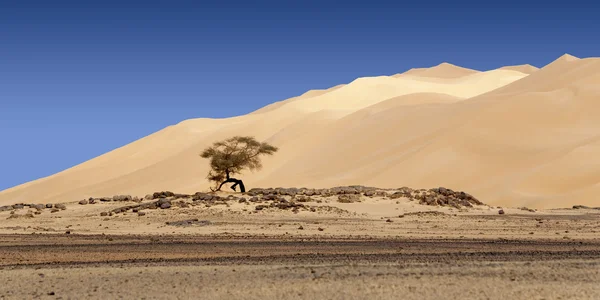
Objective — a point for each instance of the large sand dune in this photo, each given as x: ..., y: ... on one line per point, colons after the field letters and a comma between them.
x: 514, y: 136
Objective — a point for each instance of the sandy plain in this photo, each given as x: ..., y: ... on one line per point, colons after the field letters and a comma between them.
x: 294, y: 247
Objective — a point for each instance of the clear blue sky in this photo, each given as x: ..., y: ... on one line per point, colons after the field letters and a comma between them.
x: 80, y: 78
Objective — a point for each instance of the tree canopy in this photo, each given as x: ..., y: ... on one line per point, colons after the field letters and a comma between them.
x: 232, y: 156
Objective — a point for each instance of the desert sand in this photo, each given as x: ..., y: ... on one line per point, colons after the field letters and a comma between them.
x: 514, y: 136
x: 346, y: 243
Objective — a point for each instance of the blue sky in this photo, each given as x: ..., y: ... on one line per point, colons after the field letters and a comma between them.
x: 78, y: 79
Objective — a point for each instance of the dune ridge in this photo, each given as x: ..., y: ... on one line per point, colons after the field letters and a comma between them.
x: 514, y: 136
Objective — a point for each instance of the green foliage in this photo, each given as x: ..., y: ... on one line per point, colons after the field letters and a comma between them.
x: 233, y: 155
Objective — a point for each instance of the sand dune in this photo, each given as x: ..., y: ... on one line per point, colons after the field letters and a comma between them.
x: 527, y: 68
x: 443, y: 70
x: 513, y: 136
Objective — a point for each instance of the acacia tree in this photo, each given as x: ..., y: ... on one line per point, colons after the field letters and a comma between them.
x: 233, y: 155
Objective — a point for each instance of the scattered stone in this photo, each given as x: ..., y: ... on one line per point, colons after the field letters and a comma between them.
x: 60, y: 206
x: 320, y: 229
x: 527, y: 209
x: 18, y: 206
x: 49, y: 205
x: 369, y: 193
x: 165, y: 194
x: 68, y: 232
x: 104, y: 214
x: 55, y: 210
x: 37, y: 206
x: 426, y: 213
x: 202, y: 197
x: 92, y: 201
x: 163, y: 203
x: 389, y: 220
x: 501, y: 212
x: 6, y: 208
x: 580, y: 207
x: 83, y: 202
x: 141, y: 213
x: 300, y: 228
x: 348, y: 198
x: 122, y: 198
x: 260, y: 207
x: 190, y: 222
x: 303, y: 198
x: 27, y: 215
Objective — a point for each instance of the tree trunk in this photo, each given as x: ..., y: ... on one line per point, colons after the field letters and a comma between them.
x: 236, y: 183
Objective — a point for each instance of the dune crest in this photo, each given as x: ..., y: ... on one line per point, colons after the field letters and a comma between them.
x: 507, y: 137
x: 526, y: 68
x: 443, y: 70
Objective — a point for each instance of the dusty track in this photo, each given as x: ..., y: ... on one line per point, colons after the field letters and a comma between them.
x: 72, y: 266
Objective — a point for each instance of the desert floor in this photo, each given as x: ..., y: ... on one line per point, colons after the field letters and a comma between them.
x: 372, y: 247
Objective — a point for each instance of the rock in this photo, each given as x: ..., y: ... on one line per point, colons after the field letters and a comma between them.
x: 38, y: 206
x: 6, y: 208
x: 202, y: 197
x: 122, y: 198
x: 348, y: 198
x: 83, y: 202
x: 103, y: 214
x: 148, y: 197
x: 389, y: 220
x: 141, y: 213
x: 260, y: 207
x: 501, y: 212
x: 18, y: 206
x: 60, y: 206
x: 165, y: 205
x: 527, y: 209
x: 91, y: 201
x: 270, y: 197
x: 300, y: 228
x: 55, y: 210
x: 165, y: 194
x: 49, y: 205
x: 369, y: 193
x: 580, y: 207
x: 320, y: 229
x: 189, y: 223
x: 68, y: 232
x: 302, y: 198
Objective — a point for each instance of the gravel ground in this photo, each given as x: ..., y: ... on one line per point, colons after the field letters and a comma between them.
x: 249, y: 267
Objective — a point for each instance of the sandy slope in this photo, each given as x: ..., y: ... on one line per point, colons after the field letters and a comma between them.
x: 512, y: 136
x: 527, y: 69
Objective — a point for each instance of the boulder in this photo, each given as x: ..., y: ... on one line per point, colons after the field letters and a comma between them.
x: 348, y: 198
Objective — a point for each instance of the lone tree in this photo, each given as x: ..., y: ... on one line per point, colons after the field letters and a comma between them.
x: 233, y: 155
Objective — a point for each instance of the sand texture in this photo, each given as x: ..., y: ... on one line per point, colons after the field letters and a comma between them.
x: 514, y: 136
x: 285, y: 244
